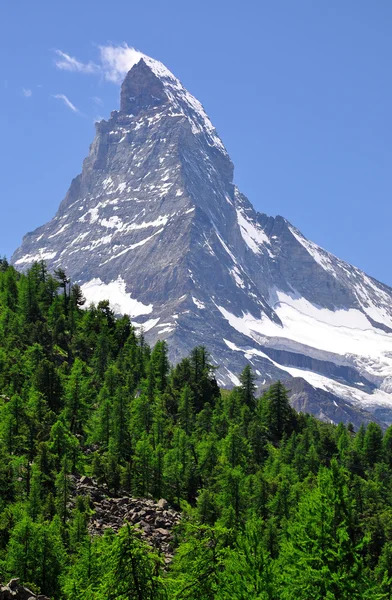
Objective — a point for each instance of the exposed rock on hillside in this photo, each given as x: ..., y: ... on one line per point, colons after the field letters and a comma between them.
x: 155, y: 520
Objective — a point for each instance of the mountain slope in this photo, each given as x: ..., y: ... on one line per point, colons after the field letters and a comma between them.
x: 155, y: 224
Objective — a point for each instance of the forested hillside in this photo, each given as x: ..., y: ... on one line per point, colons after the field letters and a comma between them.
x: 275, y: 505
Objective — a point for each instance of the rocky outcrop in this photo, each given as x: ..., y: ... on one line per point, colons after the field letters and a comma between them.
x: 327, y: 407
x: 14, y: 591
x: 155, y: 520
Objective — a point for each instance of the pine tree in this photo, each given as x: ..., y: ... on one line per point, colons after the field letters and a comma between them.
x: 185, y: 410
x: 319, y: 558
x: 248, y: 569
x: 198, y: 564
x: 120, y: 439
x: 235, y: 447
x: 77, y: 396
x: 278, y: 414
x: 35, y: 494
x: 232, y: 496
x: 382, y: 588
x: 387, y: 446
x: 36, y: 554
x: 63, y: 489
x: 143, y: 467
x: 204, y: 386
x: 133, y: 571
x: 47, y: 381
x: 373, y: 444
x: 159, y: 366
x: 177, y: 470
x: 248, y: 388
x: 78, y: 523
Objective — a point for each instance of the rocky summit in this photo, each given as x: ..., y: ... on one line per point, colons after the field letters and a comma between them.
x: 155, y: 224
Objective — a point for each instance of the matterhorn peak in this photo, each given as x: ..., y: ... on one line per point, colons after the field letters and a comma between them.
x: 149, y: 83
x: 141, y: 89
x: 155, y: 225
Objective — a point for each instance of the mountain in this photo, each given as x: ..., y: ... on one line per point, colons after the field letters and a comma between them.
x: 155, y: 224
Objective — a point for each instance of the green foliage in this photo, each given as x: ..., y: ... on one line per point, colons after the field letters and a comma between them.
x: 276, y: 504
x: 279, y: 417
x: 133, y: 570
x: 198, y: 563
x: 36, y: 554
x: 320, y: 556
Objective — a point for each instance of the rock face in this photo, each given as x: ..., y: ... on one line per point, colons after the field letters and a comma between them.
x: 155, y: 224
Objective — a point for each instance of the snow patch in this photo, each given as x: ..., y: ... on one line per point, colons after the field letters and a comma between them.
x: 321, y: 256
x: 147, y: 325
x: 166, y: 330
x: 94, y: 215
x: 112, y: 223
x: 63, y: 228
x: 233, y: 378
x: 235, y: 273
x: 132, y: 246
x: 254, y: 237
x: 161, y: 220
x: 229, y: 252
x: 199, y: 304
x: 107, y: 183
x: 40, y: 255
x: 115, y: 292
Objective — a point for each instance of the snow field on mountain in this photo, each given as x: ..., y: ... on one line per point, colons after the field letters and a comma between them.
x: 343, y: 332
x: 349, y: 393
x: 115, y: 292
x: 340, y: 331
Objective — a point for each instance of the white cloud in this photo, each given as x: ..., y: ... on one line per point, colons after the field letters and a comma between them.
x: 116, y: 61
x: 27, y: 92
x: 67, y: 102
x: 98, y: 101
x: 69, y: 63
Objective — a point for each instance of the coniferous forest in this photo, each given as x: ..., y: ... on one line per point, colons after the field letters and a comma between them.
x: 274, y: 505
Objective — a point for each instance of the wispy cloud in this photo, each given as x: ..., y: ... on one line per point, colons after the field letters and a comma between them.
x: 98, y: 101
x: 68, y: 63
x: 27, y: 93
x: 114, y: 62
x: 67, y: 102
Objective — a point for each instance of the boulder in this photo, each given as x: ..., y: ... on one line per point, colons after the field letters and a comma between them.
x: 14, y: 591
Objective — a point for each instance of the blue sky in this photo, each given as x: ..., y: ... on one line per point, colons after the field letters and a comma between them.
x: 299, y: 91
